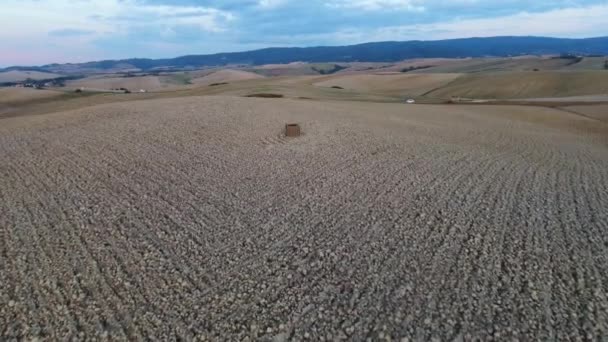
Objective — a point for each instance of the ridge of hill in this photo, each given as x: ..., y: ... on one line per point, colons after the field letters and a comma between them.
x: 368, y: 52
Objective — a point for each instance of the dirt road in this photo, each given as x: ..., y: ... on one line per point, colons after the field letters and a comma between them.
x: 194, y: 218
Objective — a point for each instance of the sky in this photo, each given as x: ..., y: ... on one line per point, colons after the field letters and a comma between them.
x: 36, y: 32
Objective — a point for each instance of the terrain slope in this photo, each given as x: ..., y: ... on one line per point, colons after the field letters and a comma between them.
x: 225, y: 76
x: 18, y: 76
x: 132, y: 83
x: 11, y: 95
x: 511, y: 85
x: 390, y: 84
x: 194, y: 217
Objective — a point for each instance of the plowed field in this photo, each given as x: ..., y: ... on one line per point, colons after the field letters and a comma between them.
x: 195, y: 218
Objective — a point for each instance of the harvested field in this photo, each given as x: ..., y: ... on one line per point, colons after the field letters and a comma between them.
x: 589, y: 63
x: 417, y: 63
x: 518, y: 85
x: 291, y: 69
x: 19, y: 95
x: 485, y: 65
x: 599, y: 112
x: 194, y: 217
x: 18, y: 76
x: 585, y: 98
x: 223, y: 76
x: 132, y: 83
x: 393, y: 84
x: 4, y: 109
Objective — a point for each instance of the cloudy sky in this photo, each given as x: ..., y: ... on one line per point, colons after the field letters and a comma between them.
x: 44, y: 31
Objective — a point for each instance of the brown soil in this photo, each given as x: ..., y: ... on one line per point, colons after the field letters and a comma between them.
x: 195, y: 218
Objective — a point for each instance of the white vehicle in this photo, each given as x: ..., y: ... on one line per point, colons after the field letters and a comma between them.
x: 410, y: 101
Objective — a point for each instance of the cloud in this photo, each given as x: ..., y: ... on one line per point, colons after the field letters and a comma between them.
x: 70, y: 32
x: 74, y: 28
x: 376, y: 5
x: 80, y: 30
x: 271, y: 4
x: 104, y: 17
x: 576, y: 22
x: 567, y: 22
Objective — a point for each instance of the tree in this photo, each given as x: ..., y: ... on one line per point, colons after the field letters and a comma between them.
x: 606, y: 64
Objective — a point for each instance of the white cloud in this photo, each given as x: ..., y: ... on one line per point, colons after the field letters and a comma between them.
x: 42, y: 31
x: 444, y: 5
x: 32, y: 28
x: 567, y: 22
x: 374, y: 5
x: 26, y: 18
x: 271, y: 4
x: 580, y: 22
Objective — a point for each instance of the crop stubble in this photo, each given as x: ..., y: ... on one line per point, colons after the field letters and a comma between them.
x: 195, y: 217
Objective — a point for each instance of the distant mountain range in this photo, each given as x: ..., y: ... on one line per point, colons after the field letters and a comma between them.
x: 369, y: 52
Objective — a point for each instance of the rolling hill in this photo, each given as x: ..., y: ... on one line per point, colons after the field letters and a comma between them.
x: 224, y: 76
x: 369, y: 52
x: 19, y: 76
x: 391, y: 84
x: 514, y: 85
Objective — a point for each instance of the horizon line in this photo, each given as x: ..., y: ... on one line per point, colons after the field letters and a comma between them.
x: 297, y: 47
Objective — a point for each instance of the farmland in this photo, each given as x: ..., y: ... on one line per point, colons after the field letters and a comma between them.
x: 17, y: 76
x: 193, y: 217
x: 25, y: 95
x: 394, y: 84
x: 509, y: 85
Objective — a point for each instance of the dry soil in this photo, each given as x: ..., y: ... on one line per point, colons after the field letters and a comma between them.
x: 226, y: 75
x: 528, y: 84
x: 18, y: 76
x: 195, y: 218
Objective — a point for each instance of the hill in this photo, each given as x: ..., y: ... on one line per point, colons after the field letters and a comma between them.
x: 390, y: 84
x: 19, y: 76
x: 513, y: 85
x: 223, y: 76
x: 11, y: 97
x: 368, y: 52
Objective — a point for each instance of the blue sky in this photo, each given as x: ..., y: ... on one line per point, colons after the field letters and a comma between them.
x: 45, y: 31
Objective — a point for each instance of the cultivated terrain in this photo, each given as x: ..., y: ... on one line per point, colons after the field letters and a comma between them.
x: 195, y: 217
x: 178, y: 210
